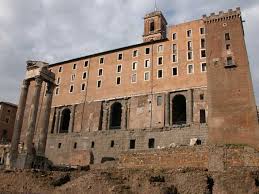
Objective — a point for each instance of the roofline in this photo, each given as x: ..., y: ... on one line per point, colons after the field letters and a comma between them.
x: 107, y: 52
x: 8, y: 103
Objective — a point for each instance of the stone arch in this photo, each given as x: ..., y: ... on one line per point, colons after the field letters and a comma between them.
x: 65, y: 120
x: 179, y: 109
x: 116, y: 114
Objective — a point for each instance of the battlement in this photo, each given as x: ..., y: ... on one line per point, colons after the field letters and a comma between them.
x: 222, y: 16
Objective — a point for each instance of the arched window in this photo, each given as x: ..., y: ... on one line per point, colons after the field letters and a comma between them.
x: 65, y: 120
x: 152, y: 25
x: 179, y: 110
x: 115, y: 119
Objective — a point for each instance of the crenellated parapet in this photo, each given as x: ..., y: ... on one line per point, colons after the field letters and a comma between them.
x: 222, y: 16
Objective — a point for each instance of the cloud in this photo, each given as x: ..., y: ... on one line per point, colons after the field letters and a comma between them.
x: 58, y: 30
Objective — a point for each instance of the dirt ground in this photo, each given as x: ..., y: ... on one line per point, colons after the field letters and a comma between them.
x: 112, y: 180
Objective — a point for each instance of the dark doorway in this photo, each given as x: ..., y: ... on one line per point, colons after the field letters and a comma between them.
x: 202, y: 116
x: 65, y: 120
x: 179, y: 110
x: 115, y: 122
x: 4, y: 136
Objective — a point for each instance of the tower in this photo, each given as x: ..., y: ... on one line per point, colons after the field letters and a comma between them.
x: 232, y: 107
x: 154, y: 26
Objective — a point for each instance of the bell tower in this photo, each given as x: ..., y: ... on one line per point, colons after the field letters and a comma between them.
x: 154, y: 26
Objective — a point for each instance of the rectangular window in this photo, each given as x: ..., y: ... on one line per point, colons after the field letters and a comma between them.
x: 99, y: 83
x: 134, y: 78
x: 159, y: 100
x: 190, y: 69
x: 60, y: 69
x: 119, y: 68
x: 134, y: 65
x: 101, y: 60
x: 57, y: 91
x: 189, y: 45
x: 74, y: 66
x: 202, y: 116
x: 174, y: 58
x: 203, y: 67
x: 202, y: 31
x: 228, y: 46
x: 135, y: 53
x: 92, y: 144
x: 189, y: 33
x: 174, y: 36
x: 71, y: 89
x: 146, y: 76
x: 174, y: 71
x: 84, y: 75
x: 120, y: 56
x: 174, y: 48
x: 160, y: 48
x: 203, y: 43
x: 86, y: 64
x: 151, y: 143
x: 58, y: 80
x: 189, y: 55
x: 59, y: 145
x: 147, y: 63
x: 227, y: 36
x: 112, y: 144
x: 229, y: 61
x: 159, y: 73
x: 132, y: 144
x: 203, y: 53
x: 83, y: 87
x: 100, y: 72
x: 73, y: 76
x: 147, y: 51
x: 201, y: 96
x: 75, y: 145
x: 118, y: 80
x: 160, y: 60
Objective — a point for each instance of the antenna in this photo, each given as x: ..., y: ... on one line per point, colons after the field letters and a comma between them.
x: 155, y: 6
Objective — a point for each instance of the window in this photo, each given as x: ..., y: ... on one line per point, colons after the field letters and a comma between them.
x: 203, y: 43
x: 99, y: 83
x: 146, y: 76
x: 203, y: 53
x: 132, y: 144
x: 135, y: 53
x: 83, y: 87
x: 84, y: 75
x: 159, y: 73
x: 227, y: 36
x: 202, y: 116
x: 189, y: 45
x: 202, y: 31
x: 160, y: 48
x: 100, y: 72
x: 151, y: 143
x: 59, y: 145
x: 189, y: 55
x: 160, y: 60
x: 119, y: 68
x: 134, y: 65
x: 7, y: 120
x: 201, y: 96
x: 57, y: 91
x: 74, y: 66
x: 120, y: 56
x: 101, y: 60
x: 174, y: 48
x: 60, y: 69
x: 73, y: 76
x: 112, y: 144
x: 174, y: 58
x: 147, y: 63
x: 174, y: 36
x: 134, y: 78
x: 147, y: 51
x: 152, y: 25
x: 229, y: 61
x: 189, y: 33
x: 71, y: 89
x: 92, y: 144
x: 203, y: 67
x: 86, y: 63
x: 174, y: 71
x: 118, y: 80
x: 228, y: 46
x: 159, y: 100
x: 58, y: 80
x: 75, y: 145
x: 190, y: 69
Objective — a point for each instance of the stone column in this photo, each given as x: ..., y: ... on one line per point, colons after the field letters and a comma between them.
x: 124, y: 116
x: 45, y: 120
x: 59, y: 120
x: 105, y: 117
x: 189, y: 107
x: 33, y: 116
x: 19, y: 120
x: 56, y: 121
x: 72, y: 117
x: 167, y: 109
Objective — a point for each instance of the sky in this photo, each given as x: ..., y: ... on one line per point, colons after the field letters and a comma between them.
x: 58, y: 30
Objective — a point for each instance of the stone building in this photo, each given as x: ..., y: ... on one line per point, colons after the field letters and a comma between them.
x: 155, y: 94
x: 7, y: 119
